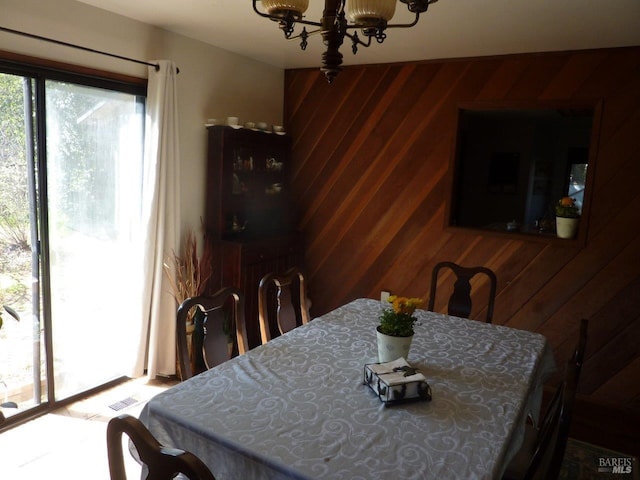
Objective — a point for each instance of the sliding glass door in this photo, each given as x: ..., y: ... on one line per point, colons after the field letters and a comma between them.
x: 94, y: 182
x: 22, y: 372
x: 70, y: 204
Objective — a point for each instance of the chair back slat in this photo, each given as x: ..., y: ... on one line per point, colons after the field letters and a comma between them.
x: 217, y: 342
x: 460, y: 303
x: 223, y: 323
x: 291, y: 308
x: 582, y: 342
x: 286, y: 310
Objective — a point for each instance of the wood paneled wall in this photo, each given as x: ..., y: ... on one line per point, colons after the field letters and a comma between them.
x: 372, y: 178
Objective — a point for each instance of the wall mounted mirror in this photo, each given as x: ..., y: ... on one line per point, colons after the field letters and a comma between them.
x: 512, y: 165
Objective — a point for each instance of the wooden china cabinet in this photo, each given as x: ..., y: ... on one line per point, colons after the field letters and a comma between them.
x: 250, y: 219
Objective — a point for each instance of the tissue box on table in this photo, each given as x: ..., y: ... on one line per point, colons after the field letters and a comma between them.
x: 396, y: 382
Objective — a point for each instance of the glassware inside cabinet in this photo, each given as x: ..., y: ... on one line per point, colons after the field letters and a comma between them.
x: 248, y: 184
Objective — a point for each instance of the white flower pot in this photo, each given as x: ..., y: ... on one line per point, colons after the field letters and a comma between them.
x: 566, y: 227
x: 391, y: 348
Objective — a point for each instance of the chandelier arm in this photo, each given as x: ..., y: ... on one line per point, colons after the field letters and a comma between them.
x: 309, y: 22
x: 312, y: 32
x: 405, y: 25
x: 356, y: 39
x: 278, y: 19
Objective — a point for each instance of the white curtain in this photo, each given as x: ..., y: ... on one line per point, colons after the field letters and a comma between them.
x: 161, y: 212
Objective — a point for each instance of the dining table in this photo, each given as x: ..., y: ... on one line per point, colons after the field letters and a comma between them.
x: 297, y: 407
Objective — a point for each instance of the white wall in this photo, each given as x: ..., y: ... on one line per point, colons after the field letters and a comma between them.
x: 213, y: 83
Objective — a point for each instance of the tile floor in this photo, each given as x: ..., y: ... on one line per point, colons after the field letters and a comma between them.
x: 70, y: 443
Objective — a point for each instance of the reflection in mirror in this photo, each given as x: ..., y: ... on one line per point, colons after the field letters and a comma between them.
x: 513, y: 165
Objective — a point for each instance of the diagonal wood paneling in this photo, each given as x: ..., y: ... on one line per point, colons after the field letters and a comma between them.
x: 372, y: 156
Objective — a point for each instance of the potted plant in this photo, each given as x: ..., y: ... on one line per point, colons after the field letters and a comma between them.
x: 567, y: 217
x: 188, y: 275
x: 395, y: 331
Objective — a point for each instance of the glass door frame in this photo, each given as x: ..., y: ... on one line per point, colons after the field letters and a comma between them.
x: 38, y: 75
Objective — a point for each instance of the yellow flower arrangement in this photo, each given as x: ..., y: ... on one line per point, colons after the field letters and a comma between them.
x: 398, y: 321
x: 566, y: 207
x: 404, y: 304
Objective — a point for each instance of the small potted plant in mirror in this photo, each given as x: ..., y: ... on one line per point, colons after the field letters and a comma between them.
x: 567, y: 217
x: 395, y: 331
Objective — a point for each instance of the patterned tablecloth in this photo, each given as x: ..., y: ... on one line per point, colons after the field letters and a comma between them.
x: 297, y: 407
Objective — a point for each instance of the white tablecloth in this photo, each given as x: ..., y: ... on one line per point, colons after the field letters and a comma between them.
x: 297, y: 407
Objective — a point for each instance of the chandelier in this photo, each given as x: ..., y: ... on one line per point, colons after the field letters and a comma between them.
x: 371, y: 17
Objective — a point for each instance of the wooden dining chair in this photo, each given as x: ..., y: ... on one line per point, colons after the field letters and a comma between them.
x: 460, y: 300
x: 282, y: 303
x: 161, y: 462
x: 542, y: 452
x: 582, y: 342
x: 220, y: 330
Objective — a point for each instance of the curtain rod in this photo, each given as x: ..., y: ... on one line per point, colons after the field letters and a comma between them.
x: 80, y: 47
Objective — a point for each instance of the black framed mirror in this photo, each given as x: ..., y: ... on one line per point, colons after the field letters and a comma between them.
x: 513, y: 163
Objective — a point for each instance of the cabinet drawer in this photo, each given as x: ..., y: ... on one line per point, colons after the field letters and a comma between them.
x: 266, y: 251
